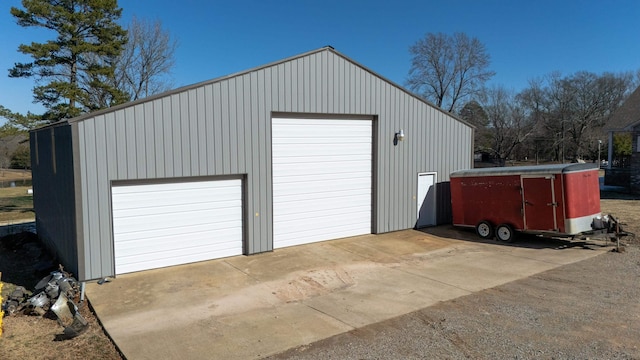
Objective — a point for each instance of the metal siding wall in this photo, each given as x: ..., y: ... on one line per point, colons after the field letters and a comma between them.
x: 102, y: 184
x: 224, y: 128
x: 150, y: 125
x: 54, y: 192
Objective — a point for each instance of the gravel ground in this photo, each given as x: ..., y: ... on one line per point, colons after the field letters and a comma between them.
x: 586, y: 310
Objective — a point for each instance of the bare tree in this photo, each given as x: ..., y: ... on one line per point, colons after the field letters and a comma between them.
x: 473, y: 113
x: 596, y: 98
x: 144, y: 67
x: 448, y: 69
x: 510, y: 124
x: 571, y: 110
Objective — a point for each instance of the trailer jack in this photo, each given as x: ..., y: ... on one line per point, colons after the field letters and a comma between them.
x: 610, y: 227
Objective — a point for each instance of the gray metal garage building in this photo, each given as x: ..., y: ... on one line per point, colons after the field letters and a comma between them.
x: 301, y: 150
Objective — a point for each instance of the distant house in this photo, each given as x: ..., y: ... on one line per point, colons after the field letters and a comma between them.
x: 626, y: 119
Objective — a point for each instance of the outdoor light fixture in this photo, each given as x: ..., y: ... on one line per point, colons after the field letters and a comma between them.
x: 400, y: 135
x: 397, y: 137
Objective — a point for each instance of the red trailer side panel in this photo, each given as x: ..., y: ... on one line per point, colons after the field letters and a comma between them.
x: 494, y: 198
x: 582, y: 193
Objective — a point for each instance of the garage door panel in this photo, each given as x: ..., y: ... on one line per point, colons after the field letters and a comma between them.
x: 324, y: 132
x: 330, y: 127
x: 325, y: 186
x: 130, y: 256
x: 159, y: 199
x: 125, y: 212
x: 298, y: 135
x: 173, y: 215
x: 320, y: 167
x: 345, y: 230
x: 322, y: 179
x: 171, y: 198
x: 322, y: 172
x: 201, y: 240
x: 324, y: 149
x: 317, y: 216
x: 329, y: 204
x: 332, y: 141
x: 158, y: 230
x: 168, y: 220
x: 157, y: 225
x: 311, y: 161
x: 186, y: 186
x: 153, y: 261
x: 302, y: 198
x: 321, y: 234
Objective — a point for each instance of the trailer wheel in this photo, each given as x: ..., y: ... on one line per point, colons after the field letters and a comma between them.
x: 484, y: 229
x: 504, y: 232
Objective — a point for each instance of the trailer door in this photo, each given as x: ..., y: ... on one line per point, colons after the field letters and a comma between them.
x: 539, y: 204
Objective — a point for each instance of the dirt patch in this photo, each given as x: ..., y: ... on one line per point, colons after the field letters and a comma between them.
x: 313, y: 283
x: 23, y: 262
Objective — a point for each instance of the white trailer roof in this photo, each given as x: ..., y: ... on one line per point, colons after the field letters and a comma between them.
x: 528, y: 170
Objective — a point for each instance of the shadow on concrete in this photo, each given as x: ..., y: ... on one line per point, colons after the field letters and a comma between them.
x: 528, y: 241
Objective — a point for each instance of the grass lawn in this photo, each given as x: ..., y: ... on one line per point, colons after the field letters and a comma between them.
x: 16, y: 205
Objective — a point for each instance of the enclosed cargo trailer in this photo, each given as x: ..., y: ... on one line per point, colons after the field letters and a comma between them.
x: 561, y: 199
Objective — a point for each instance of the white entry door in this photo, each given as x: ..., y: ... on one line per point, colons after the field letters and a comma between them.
x: 426, y: 200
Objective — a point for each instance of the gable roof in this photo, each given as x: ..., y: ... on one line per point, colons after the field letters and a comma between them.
x: 627, y: 116
x: 222, y: 78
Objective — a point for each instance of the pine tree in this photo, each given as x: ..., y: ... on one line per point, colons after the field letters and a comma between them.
x: 77, y: 66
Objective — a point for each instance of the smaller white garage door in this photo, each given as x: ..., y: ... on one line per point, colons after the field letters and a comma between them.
x: 159, y: 225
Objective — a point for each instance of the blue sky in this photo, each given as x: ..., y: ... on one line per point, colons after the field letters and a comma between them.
x: 525, y: 39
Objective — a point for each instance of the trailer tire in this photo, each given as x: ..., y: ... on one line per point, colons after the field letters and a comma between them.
x: 484, y: 229
x: 504, y: 232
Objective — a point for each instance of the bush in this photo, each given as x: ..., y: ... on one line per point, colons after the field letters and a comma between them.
x: 21, y: 158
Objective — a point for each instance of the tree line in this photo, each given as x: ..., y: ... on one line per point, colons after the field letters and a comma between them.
x: 555, y: 118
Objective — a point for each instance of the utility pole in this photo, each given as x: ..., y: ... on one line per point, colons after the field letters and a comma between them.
x: 599, y: 163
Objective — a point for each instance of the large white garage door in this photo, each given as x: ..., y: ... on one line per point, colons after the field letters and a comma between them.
x: 158, y: 225
x: 321, y: 179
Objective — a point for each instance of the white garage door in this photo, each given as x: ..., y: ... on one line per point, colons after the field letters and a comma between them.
x: 321, y: 179
x: 158, y: 225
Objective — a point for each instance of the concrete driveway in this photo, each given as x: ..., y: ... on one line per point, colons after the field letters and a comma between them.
x: 252, y: 306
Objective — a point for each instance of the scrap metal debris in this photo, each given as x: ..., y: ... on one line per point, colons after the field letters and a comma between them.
x: 56, y: 294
